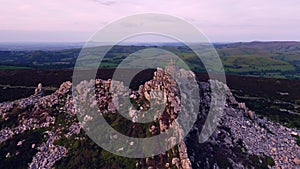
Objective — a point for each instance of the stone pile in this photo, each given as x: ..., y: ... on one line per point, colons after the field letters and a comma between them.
x: 240, y: 127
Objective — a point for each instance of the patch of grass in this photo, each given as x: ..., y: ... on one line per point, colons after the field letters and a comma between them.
x: 297, y: 140
x: 21, y: 155
x: 84, y: 153
x: 262, y: 162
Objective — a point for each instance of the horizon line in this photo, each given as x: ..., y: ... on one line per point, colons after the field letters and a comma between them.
x: 253, y: 41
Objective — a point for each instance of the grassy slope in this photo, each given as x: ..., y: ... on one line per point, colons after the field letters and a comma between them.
x: 14, y: 67
x: 256, y: 63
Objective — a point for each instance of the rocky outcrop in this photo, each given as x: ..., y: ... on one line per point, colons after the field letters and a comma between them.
x: 241, y: 139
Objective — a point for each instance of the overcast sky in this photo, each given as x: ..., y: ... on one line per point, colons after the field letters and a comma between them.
x: 220, y: 20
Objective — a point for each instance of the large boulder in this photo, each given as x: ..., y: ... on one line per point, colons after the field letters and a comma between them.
x: 39, y: 90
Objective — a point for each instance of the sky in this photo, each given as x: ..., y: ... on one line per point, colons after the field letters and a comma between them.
x: 219, y: 20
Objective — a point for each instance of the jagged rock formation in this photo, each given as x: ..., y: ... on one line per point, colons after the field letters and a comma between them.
x: 144, y: 97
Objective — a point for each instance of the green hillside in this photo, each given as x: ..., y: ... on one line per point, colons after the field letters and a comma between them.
x: 267, y: 59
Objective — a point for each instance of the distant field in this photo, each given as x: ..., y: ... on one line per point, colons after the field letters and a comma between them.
x: 254, y: 63
x: 265, y: 59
